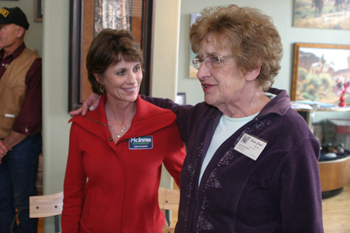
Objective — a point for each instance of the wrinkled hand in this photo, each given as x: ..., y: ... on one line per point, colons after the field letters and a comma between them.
x: 89, y: 104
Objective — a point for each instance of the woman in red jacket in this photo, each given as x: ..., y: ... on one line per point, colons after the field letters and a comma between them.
x: 116, y: 152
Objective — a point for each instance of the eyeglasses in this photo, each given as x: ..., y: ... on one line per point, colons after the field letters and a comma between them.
x: 210, y: 61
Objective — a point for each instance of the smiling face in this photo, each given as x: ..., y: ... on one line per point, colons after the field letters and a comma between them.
x: 122, y: 81
x: 221, y: 85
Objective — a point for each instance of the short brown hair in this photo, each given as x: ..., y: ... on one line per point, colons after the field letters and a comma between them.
x: 249, y: 34
x: 108, y: 48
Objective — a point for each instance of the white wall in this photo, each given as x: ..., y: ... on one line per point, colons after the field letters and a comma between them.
x: 165, y: 53
x: 282, y: 13
x: 55, y: 97
x: 165, y: 48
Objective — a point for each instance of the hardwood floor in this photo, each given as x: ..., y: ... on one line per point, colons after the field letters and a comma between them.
x: 336, y: 213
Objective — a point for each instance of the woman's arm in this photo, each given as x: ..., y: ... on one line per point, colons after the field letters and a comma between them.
x: 185, y: 114
x: 300, y: 189
x: 175, y: 153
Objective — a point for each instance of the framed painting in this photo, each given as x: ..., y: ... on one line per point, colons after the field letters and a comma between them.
x: 87, y: 19
x: 38, y: 10
x: 322, y: 14
x: 321, y: 73
x: 193, y: 71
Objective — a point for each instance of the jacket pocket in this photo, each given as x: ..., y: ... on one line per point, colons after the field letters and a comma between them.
x: 86, y: 208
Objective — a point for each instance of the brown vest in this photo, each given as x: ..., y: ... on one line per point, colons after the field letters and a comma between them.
x: 13, y: 89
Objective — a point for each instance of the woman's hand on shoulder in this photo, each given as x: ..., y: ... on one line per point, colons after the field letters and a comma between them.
x: 89, y: 104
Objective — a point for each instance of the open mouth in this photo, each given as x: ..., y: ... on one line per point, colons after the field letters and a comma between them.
x: 204, y: 85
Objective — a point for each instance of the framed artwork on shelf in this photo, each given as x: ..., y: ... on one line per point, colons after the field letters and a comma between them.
x: 181, y: 98
x: 134, y: 15
x: 38, y: 10
x: 322, y: 14
x: 321, y: 73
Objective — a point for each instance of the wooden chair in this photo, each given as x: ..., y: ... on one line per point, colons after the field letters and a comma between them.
x: 51, y: 205
x: 168, y: 200
x: 44, y: 206
x: 47, y: 206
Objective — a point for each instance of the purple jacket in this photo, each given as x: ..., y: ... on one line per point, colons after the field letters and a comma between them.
x: 279, y: 192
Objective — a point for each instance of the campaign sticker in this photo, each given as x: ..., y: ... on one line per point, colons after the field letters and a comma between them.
x: 141, y: 143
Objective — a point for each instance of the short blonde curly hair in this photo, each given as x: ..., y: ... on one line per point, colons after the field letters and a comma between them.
x: 249, y: 34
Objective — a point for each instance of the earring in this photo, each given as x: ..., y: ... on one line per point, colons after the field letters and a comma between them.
x: 102, y: 88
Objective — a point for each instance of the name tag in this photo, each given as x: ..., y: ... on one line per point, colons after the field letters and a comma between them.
x: 141, y: 143
x: 250, y: 146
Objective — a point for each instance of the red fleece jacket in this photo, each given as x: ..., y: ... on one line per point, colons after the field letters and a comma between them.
x: 111, y: 188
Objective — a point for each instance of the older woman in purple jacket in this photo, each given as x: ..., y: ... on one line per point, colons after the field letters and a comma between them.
x: 252, y: 162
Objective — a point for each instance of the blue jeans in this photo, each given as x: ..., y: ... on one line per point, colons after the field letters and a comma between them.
x: 18, y: 172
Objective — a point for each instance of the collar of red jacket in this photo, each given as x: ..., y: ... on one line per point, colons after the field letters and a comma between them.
x: 148, y: 118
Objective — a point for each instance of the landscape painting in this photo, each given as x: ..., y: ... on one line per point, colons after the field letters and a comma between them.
x: 326, y: 14
x: 321, y: 72
x: 193, y: 71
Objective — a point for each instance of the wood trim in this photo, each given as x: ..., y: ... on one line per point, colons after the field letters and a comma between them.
x: 334, y: 174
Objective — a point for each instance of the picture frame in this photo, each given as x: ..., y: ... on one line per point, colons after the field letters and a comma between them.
x: 319, y: 72
x: 83, y: 29
x: 192, y: 71
x: 181, y: 98
x: 321, y: 14
x: 38, y: 10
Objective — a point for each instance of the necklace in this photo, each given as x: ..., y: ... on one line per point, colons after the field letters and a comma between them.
x: 126, y: 126
x: 112, y: 128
